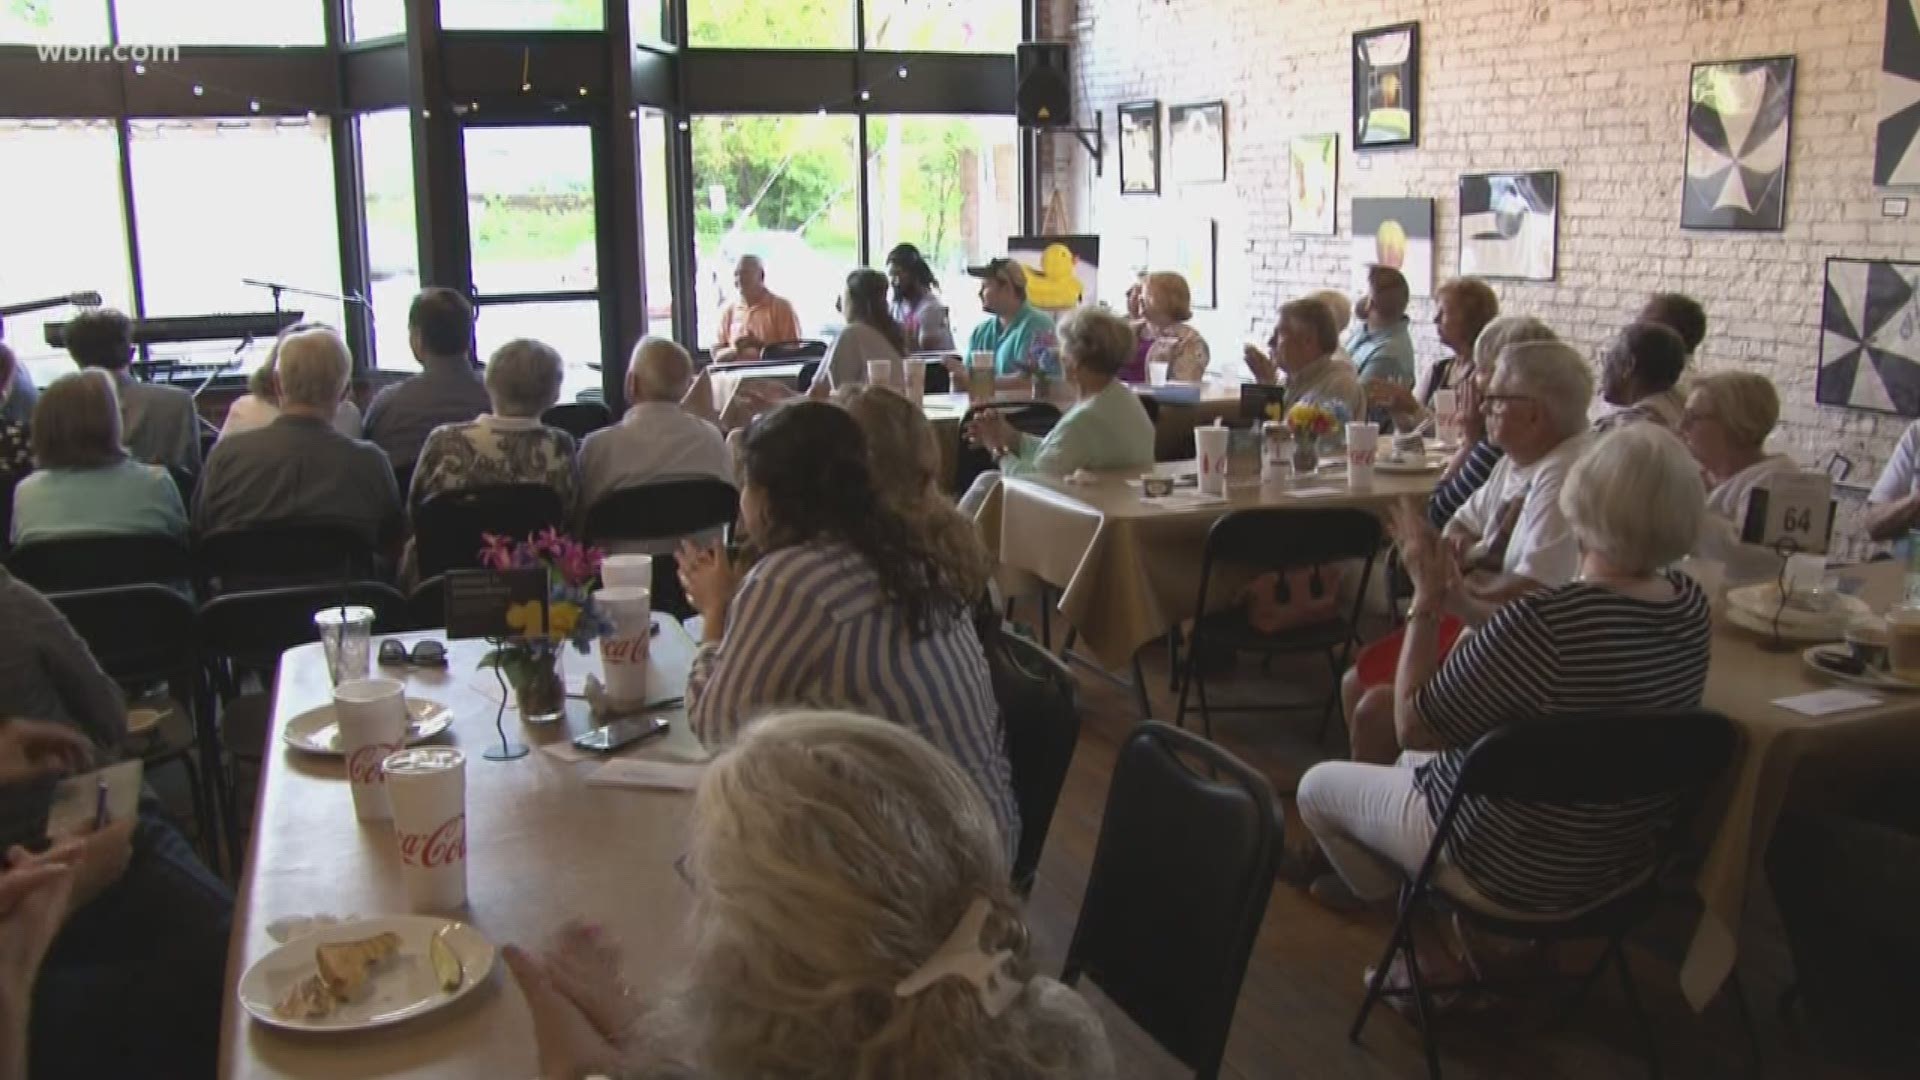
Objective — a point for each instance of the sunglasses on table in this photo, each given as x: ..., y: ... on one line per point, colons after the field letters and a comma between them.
x: 424, y: 654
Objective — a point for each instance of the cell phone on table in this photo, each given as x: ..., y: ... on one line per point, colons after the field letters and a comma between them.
x: 621, y: 733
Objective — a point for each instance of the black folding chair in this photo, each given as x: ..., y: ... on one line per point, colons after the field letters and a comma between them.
x: 1040, y: 722
x: 244, y: 633
x: 1179, y: 883
x: 578, y: 418
x: 1280, y: 540
x: 184, y: 481
x: 281, y: 554
x: 427, y: 604
x: 939, y: 379
x: 800, y: 349
x: 1662, y: 763
x: 147, y: 634
x: 102, y: 562
x: 448, y: 528
x: 664, y: 511
x: 1034, y: 418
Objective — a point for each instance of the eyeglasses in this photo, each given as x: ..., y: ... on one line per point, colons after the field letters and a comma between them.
x: 425, y: 654
x: 1490, y: 400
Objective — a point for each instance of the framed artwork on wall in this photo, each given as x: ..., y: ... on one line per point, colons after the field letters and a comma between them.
x: 1870, y: 336
x: 1896, y: 143
x: 1195, y: 253
x: 1510, y: 225
x: 1140, y: 148
x: 1386, y: 87
x: 1197, y: 142
x: 1396, y: 233
x: 1313, y: 183
x: 1739, y: 119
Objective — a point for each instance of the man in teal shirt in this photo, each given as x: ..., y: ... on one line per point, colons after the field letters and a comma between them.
x: 1019, y: 335
x: 1381, y: 347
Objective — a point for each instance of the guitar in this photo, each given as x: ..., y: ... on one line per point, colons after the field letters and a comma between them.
x: 79, y: 299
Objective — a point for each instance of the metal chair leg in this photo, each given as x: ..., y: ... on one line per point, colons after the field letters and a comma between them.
x: 1380, y: 970
x: 1046, y: 619
x: 1739, y: 994
x: 1173, y: 657
x: 1422, y: 1008
x: 1206, y: 714
x: 1180, y: 711
x: 1633, y: 1002
x: 1140, y: 687
x: 1326, y: 710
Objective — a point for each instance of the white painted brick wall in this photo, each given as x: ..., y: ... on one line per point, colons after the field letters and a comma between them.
x: 1595, y: 89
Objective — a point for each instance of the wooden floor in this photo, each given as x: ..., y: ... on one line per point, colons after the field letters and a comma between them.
x: 1304, y: 982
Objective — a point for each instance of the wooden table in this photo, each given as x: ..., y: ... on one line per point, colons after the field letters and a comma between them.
x: 1129, y: 568
x: 1743, y: 682
x: 542, y: 847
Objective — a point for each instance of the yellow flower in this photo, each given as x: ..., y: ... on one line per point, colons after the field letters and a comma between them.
x: 561, y: 619
x: 524, y: 618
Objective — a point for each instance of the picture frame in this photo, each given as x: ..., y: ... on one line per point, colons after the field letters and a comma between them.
x: 1896, y: 138
x: 1386, y: 87
x: 1139, y: 138
x: 1313, y: 184
x: 1869, y: 312
x: 1197, y: 142
x: 1196, y: 256
x: 1396, y: 233
x: 1739, y: 141
x: 1510, y: 225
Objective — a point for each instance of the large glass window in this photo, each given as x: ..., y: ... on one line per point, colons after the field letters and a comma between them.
x: 783, y: 188
x: 368, y: 19
x: 950, y: 186
x: 770, y: 24
x: 220, y: 22
x: 39, y: 22
x: 530, y: 209
x: 63, y: 227
x: 571, y: 326
x: 218, y: 201
x: 656, y: 240
x: 393, y: 249
x: 521, y: 14
x: 982, y: 26
x: 646, y: 20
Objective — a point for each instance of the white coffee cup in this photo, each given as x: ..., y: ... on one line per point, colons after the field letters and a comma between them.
x: 916, y: 379
x: 627, y: 572
x: 428, y: 787
x: 880, y: 373
x: 1446, y: 416
x: 1211, y: 441
x: 372, y: 716
x: 625, y: 648
x: 1363, y: 442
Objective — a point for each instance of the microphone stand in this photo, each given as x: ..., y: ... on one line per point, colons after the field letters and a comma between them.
x: 279, y: 287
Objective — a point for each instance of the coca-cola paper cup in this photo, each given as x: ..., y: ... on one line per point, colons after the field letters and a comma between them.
x: 624, y: 650
x: 428, y: 786
x: 627, y: 572
x: 372, y: 714
x: 880, y: 373
x: 915, y: 380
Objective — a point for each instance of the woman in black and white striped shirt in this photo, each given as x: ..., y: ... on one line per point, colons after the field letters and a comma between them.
x: 1626, y: 635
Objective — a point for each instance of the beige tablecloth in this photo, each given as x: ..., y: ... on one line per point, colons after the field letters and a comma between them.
x: 542, y: 847
x: 1743, y: 683
x: 1129, y: 569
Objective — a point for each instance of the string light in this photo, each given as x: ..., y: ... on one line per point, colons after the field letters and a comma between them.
x: 902, y: 72
x: 583, y: 91
x: 866, y: 95
x: 254, y: 106
x: 199, y: 91
x: 682, y: 125
x: 139, y: 69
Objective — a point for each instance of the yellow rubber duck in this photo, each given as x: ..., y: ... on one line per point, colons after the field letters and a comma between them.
x: 1053, y: 285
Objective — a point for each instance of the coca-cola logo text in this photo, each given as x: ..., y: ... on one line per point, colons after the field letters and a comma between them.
x: 363, y: 765
x: 1362, y: 458
x: 443, y: 846
x: 624, y: 650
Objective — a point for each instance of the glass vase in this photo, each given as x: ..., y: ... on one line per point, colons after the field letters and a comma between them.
x: 541, y: 693
x: 1306, y: 455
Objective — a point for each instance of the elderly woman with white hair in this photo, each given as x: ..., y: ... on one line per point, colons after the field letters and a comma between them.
x: 1634, y: 505
x: 508, y: 445
x: 260, y: 405
x: 851, y: 918
x: 1726, y: 422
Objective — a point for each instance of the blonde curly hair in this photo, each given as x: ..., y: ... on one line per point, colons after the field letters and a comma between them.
x: 832, y: 854
x: 905, y: 461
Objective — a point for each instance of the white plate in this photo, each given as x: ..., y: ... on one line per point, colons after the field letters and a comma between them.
x: 401, y: 988
x: 1408, y: 465
x: 315, y: 731
x: 1876, y: 680
x: 1801, y: 633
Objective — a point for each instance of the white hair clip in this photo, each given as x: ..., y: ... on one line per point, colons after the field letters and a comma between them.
x: 961, y: 956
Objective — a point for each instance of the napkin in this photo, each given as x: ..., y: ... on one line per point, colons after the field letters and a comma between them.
x: 1826, y: 702
x: 647, y: 775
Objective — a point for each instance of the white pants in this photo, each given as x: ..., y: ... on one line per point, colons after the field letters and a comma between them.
x: 1375, y: 827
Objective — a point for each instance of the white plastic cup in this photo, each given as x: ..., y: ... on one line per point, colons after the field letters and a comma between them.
x: 880, y: 373
x: 372, y: 715
x: 1211, y: 442
x: 1275, y: 445
x: 627, y: 572
x: 1363, y: 443
x: 980, y: 378
x: 1446, y: 416
x: 915, y: 382
x: 624, y: 649
x: 428, y: 787
x: 346, y: 633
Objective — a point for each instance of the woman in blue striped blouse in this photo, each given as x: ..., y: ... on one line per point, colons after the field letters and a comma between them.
x: 846, y: 607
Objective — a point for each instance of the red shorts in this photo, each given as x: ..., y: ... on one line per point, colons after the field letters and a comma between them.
x: 1379, y: 662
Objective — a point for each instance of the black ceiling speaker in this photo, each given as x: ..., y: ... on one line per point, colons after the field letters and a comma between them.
x: 1043, y: 98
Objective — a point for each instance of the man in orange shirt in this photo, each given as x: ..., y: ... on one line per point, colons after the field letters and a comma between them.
x: 756, y: 319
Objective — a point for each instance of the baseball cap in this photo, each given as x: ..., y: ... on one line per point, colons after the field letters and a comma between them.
x: 1006, y: 271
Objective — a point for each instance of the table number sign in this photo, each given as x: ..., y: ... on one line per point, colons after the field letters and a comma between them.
x: 478, y: 600
x: 1795, y: 509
